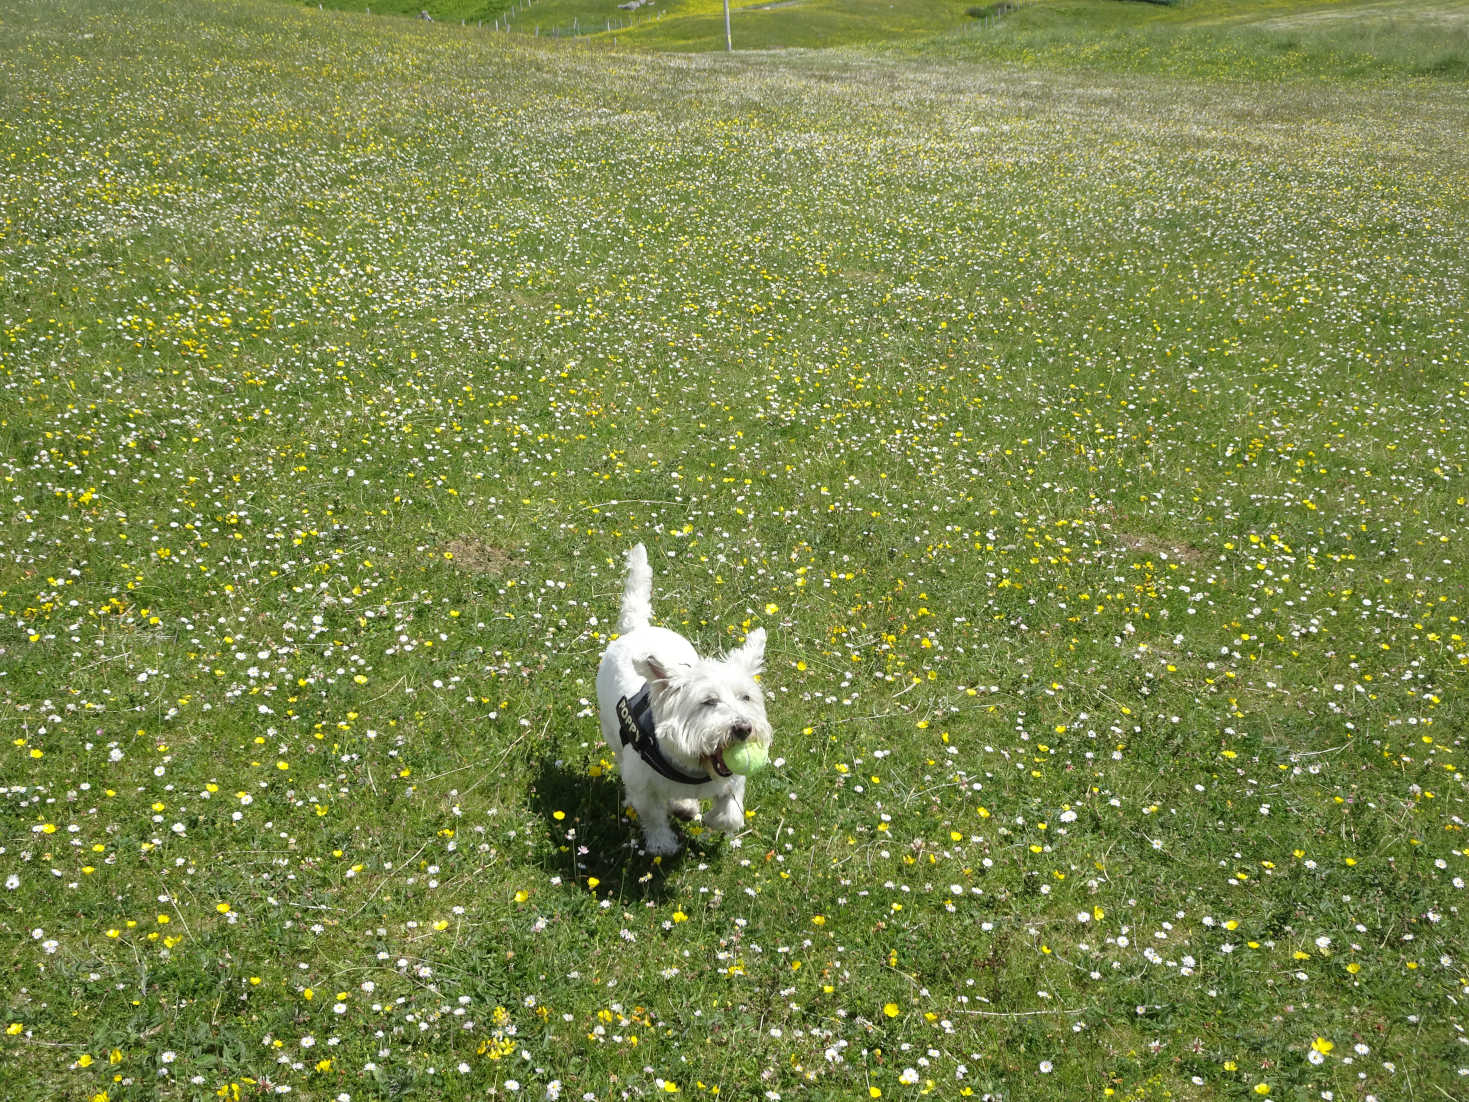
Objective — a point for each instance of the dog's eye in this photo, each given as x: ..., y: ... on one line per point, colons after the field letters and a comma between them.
x: 744, y: 698
x: 712, y: 702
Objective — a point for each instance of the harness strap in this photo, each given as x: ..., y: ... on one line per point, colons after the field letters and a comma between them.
x: 635, y: 723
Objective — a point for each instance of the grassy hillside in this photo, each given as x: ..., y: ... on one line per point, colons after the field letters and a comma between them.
x: 1233, y: 39
x: 1250, y: 38
x: 1092, y: 444
x: 1254, y: 39
x: 696, y: 24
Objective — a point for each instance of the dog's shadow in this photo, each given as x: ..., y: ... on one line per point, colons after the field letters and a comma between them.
x: 592, y: 842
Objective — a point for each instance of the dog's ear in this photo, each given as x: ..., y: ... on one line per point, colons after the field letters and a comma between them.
x: 661, y: 675
x: 751, y: 654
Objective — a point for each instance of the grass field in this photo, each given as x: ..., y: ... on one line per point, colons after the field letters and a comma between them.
x: 1257, y: 40
x: 1231, y: 39
x: 1091, y: 441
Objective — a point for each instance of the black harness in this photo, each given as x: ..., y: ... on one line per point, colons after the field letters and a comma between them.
x: 635, y: 722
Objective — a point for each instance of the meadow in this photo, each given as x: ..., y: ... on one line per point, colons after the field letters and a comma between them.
x: 1091, y: 441
x: 1260, y: 40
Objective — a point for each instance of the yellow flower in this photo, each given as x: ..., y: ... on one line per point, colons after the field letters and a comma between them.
x: 890, y: 1009
x: 1322, y: 1045
x: 1262, y: 1089
x: 14, y: 1029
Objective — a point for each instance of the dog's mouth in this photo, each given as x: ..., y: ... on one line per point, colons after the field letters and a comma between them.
x: 716, y: 763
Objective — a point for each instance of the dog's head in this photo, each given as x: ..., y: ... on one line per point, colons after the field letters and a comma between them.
x: 702, y: 708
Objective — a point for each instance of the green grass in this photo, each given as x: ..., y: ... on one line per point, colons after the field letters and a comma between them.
x: 1091, y: 441
x: 450, y: 11
x: 1231, y: 39
x: 698, y: 24
x: 1236, y: 39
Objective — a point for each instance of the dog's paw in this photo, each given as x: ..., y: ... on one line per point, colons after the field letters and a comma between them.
x: 661, y: 843
x: 685, y: 810
x: 731, y: 822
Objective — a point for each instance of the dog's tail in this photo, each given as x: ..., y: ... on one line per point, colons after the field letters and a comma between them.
x: 637, y: 593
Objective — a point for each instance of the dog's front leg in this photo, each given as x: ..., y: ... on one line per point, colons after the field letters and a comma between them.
x: 728, y: 813
x: 652, y: 809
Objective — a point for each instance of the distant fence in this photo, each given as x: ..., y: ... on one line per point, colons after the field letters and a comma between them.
x: 993, y: 13
x: 520, y: 17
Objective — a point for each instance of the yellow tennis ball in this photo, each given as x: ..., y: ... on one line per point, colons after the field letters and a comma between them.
x: 746, y: 757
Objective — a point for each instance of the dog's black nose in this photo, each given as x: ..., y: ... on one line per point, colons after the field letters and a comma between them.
x: 740, y: 731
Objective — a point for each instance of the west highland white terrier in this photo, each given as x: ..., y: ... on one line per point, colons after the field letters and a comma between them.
x: 670, y: 716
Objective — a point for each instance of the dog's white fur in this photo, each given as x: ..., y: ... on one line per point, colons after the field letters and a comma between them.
x: 700, y: 707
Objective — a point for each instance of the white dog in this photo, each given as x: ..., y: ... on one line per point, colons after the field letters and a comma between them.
x: 669, y: 715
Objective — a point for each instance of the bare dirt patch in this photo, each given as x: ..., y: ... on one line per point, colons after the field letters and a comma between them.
x: 477, y: 557
x: 1164, y: 549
